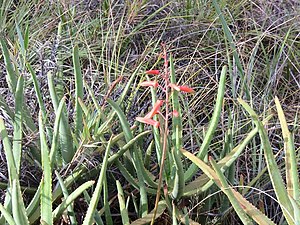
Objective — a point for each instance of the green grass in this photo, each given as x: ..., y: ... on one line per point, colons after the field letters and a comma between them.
x: 72, y: 151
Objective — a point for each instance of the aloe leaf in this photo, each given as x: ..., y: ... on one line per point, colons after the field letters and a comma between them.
x: 273, y: 170
x: 296, y: 207
x: 66, y: 195
x: 37, y: 90
x: 228, y: 191
x: 292, y: 179
x: 202, y: 183
x: 78, y: 90
x: 21, y: 41
x: 122, y: 205
x: 148, y: 155
x: 220, y: 181
x: 7, y: 216
x: 5, y: 108
x: 34, y: 203
x: 65, y: 135
x: 12, y: 170
x: 33, y: 209
x: 26, y: 37
x: 176, y: 138
x: 137, y: 161
x: 212, y: 126
x: 96, y: 195
x: 243, y: 204
x: 161, y: 207
x: 70, y: 199
x: 108, y: 217
x: 18, y: 132
x: 126, y: 147
x: 11, y: 76
x: 18, y: 207
x: 46, y: 183
x: 124, y: 123
x: 55, y: 137
x: 97, y: 216
x: 129, y: 178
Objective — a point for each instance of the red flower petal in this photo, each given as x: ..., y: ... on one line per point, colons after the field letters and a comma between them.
x: 155, y: 109
x: 149, y: 84
x: 152, y: 72
x: 148, y: 121
x: 186, y: 89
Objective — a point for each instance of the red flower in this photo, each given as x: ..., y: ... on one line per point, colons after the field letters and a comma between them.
x: 152, y: 72
x: 155, y: 109
x: 186, y: 89
x: 149, y: 84
x: 148, y: 121
x: 182, y: 88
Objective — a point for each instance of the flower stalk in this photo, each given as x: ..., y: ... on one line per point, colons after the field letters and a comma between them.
x: 170, y: 89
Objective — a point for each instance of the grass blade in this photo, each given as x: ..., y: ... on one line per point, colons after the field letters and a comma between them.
x: 78, y: 90
x: 296, y: 207
x: 229, y: 37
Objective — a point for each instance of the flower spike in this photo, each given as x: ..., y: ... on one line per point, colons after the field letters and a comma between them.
x: 153, y: 72
x: 148, y: 121
x: 149, y: 84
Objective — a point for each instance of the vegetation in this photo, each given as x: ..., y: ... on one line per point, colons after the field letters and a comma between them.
x: 149, y: 112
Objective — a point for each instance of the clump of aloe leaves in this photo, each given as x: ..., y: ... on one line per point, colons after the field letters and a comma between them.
x: 154, y: 181
x: 168, y: 186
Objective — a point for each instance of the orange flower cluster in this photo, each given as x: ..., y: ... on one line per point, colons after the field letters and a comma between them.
x: 148, y: 119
